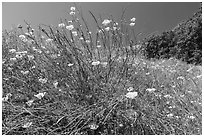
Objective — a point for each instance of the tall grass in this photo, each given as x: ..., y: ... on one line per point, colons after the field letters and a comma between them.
x: 85, y: 76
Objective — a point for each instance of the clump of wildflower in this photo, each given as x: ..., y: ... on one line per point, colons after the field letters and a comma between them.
x: 133, y: 19
x: 12, y: 50
x: 20, y: 26
x: 72, y: 13
x: 132, y: 24
x: 104, y: 64
x: 95, y: 63
x: 30, y: 57
x: 23, y: 38
x: 27, y: 125
x: 19, y: 56
x: 12, y: 59
x: 49, y: 40
x: 40, y: 95
x: 93, y: 126
x: 170, y: 115
x: 30, y: 102
x: 74, y: 33
x: 7, y: 97
x: 131, y: 95
x: 150, y: 89
x: 61, y: 25
x: 81, y: 38
x: 70, y: 64
x: 106, y: 22
x: 130, y: 89
x: 72, y: 8
x: 167, y: 96
x: 70, y: 27
x: 88, y: 41
x: 43, y: 80
x: 107, y: 28
x: 192, y: 117
x: 24, y: 72
x: 55, y: 83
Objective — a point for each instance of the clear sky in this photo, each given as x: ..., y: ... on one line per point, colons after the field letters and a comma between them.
x: 151, y: 16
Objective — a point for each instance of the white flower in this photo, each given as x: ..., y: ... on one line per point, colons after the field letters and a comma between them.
x: 93, y: 126
x: 133, y: 19
x: 30, y: 102
x: 7, y: 97
x: 70, y: 27
x: 24, y: 72
x: 69, y: 22
x: 150, y: 89
x: 132, y: 24
x: 106, y: 22
x: 95, y: 63
x: 98, y: 46
x: 30, y: 57
x: 40, y: 95
x: 72, y: 13
x: 170, y: 115
x: 49, y: 40
x: 22, y: 36
x: 70, y: 64
x: 12, y: 50
x: 131, y: 95
x: 130, y: 89
x: 107, y: 28
x: 12, y: 59
x: 61, y: 25
x: 27, y: 125
x: 120, y: 125
x: 81, y: 38
x: 192, y: 117
x: 180, y: 77
x: 43, y: 80
x: 74, y: 33
x: 55, y: 83
x: 88, y: 41
x: 168, y: 96
x: 114, y: 28
x: 19, y: 56
x: 72, y: 8
x: 104, y: 64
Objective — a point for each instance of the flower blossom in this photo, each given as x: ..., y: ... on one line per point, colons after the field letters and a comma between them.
x: 131, y: 95
x: 132, y: 24
x: 40, y: 95
x: 133, y: 19
x: 70, y: 27
x: 95, y: 63
x: 150, y: 89
x: 72, y: 8
x: 12, y: 50
x: 106, y: 22
x: 61, y: 25
x: 72, y: 13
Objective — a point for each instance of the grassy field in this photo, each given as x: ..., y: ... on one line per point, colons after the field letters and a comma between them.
x: 66, y: 80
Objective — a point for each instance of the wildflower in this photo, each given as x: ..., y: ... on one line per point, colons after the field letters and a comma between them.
x: 69, y: 22
x: 115, y: 24
x: 55, y: 84
x: 72, y: 13
x: 40, y: 95
x: 132, y: 24
x: 74, y: 33
x: 190, y: 92
x: 22, y: 36
x: 104, y: 64
x: 49, y: 40
x: 170, y: 115
x: 61, y: 25
x: 131, y: 95
x: 168, y: 96
x: 33, y: 67
x: 180, y: 77
x: 30, y: 57
x: 88, y: 41
x: 7, y: 97
x: 120, y: 125
x: 27, y: 125
x: 93, y: 126
x: 12, y: 50
x: 43, y: 80
x: 130, y: 89
x: 24, y: 72
x: 30, y: 102
x: 95, y: 63
x: 99, y: 31
x: 150, y: 89
x: 81, y: 38
x: 70, y: 64
x: 114, y: 28
x: 133, y: 19
x: 19, y: 56
x: 106, y: 22
x: 98, y: 46
x: 199, y: 76
x: 72, y: 8
x: 70, y: 27
x: 107, y: 28
x: 12, y: 59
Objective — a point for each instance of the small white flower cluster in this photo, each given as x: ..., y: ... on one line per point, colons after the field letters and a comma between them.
x: 40, y: 95
x: 132, y: 21
x: 7, y: 97
x: 72, y: 11
x: 61, y: 25
x: 43, y: 80
x: 23, y: 38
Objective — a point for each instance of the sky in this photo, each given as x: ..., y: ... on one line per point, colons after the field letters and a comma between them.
x: 150, y: 17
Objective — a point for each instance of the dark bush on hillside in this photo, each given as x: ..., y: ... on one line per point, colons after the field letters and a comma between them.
x: 184, y: 42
